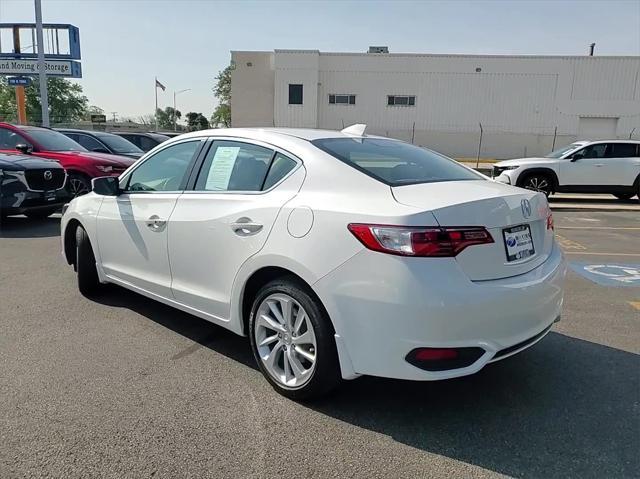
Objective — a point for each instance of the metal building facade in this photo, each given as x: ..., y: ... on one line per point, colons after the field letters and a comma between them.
x: 522, y: 102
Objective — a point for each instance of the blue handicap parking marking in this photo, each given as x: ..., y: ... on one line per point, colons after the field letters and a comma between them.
x: 609, y: 274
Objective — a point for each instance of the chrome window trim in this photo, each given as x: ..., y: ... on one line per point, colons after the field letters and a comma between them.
x: 251, y: 141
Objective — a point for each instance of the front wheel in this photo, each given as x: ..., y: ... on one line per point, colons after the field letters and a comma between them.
x: 293, y: 340
x: 88, y: 282
x: 78, y: 184
x: 537, y: 182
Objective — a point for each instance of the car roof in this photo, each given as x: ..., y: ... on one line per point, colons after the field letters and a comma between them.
x: 308, y: 134
x: 616, y: 140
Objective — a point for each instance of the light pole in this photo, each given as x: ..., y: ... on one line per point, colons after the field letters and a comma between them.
x: 44, y: 97
x: 175, y: 118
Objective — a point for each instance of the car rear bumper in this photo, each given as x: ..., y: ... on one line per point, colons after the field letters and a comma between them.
x: 383, y: 307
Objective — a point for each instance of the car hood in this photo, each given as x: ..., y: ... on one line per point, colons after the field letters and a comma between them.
x: 525, y: 161
x: 21, y: 163
x: 102, y: 158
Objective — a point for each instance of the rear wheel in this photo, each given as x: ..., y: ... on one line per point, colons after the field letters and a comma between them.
x: 40, y: 214
x: 78, y: 184
x: 293, y: 341
x: 538, y: 182
x: 88, y: 282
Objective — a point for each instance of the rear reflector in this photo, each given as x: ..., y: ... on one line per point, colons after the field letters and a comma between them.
x: 419, y: 241
x: 442, y: 359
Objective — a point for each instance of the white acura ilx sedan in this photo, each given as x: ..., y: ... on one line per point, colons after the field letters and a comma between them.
x: 337, y: 253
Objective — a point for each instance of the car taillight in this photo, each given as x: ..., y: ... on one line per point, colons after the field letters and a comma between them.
x: 550, y: 220
x: 419, y: 241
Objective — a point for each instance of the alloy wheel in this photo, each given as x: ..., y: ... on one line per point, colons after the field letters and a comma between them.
x: 285, y: 340
x: 538, y: 183
x: 77, y: 187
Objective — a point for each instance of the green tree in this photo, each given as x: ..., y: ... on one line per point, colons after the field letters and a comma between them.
x: 168, y: 117
x: 196, y: 121
x: 67, y: 104
x: 222, y: 91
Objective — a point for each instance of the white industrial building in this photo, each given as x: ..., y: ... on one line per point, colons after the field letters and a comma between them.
x: 439, y: 101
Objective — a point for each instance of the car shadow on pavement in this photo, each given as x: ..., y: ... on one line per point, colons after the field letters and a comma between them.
x: 564, y: 408
x: 23, y: 227
x: 200, y: 331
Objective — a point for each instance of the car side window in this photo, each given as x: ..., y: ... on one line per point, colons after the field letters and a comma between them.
x: 623, y: 150
x: 9, y: 139
x: 280, y: 167
x: 234, y: 166
x: 144, y: 143
x: 593, y: 151
x: 167, y: 170
x: 89, y: 143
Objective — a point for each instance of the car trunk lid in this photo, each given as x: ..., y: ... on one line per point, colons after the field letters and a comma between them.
x: 508, y: 213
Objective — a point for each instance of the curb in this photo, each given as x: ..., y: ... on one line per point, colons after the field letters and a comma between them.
x: 592, y: 208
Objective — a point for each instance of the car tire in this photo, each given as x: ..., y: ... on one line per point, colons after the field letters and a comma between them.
x: 286, y: 361
x: 78, y: 184
x: 87, y: 273
x: 541, y: 182
x: 40, y: 214
x: 624, y: 196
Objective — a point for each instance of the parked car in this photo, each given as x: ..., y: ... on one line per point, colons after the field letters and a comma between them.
x: 144, y: 141
x: 31, y: 186
x: 103, y: 142
x: 338, y: 254
x: 81, y: 165
x: 603, y: 166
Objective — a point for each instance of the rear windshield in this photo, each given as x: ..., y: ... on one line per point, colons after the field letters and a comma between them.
x: 119, y: 144
x: 395, y: 163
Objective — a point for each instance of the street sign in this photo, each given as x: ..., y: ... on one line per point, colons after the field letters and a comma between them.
x: 63, y: 41
x: 98, y: 118
x: 19, y: 81
x: 61, y: 68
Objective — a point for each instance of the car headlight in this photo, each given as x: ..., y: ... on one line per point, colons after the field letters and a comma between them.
x: 105, y: 169
x: 503, y: 168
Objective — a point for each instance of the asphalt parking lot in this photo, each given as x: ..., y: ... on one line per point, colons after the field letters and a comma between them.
x: 126, y: 387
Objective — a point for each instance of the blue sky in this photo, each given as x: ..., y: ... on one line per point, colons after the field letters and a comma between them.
x: 125, y: 43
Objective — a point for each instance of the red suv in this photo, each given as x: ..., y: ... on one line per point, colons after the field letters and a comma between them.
x: 80, y: 163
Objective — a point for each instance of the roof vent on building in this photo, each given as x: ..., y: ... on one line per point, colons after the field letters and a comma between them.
x: 378, y: 49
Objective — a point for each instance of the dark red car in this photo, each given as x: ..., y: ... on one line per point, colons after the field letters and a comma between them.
x: 81, y: 164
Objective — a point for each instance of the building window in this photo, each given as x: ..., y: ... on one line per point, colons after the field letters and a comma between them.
x: 401, y: 100
x: 295, y: 94
x: 342, y: 99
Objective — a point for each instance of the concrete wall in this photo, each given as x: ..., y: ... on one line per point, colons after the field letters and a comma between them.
x: 252, y: 89
x: 520, y: 100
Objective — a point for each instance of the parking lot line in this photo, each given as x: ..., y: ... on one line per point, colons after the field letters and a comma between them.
x: 622, y: 228
x: 601, y: 254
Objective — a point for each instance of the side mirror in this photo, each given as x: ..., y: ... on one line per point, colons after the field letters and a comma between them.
x: 101, y: 150
x: 24, y: 148
x: 577, y: 156
x: 106, y: 186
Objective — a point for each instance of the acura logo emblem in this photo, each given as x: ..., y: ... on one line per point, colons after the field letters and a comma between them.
x: 526, y: 208
x: 48, y: 175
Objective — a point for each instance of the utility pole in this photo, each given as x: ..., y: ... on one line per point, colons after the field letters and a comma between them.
x: 42, y: 74
x: 175, y: 118
x: 21, y: 102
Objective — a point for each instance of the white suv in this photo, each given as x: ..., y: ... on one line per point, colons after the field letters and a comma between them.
x: 603, y: 166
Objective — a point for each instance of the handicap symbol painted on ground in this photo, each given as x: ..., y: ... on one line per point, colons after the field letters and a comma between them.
x: 609, y: 274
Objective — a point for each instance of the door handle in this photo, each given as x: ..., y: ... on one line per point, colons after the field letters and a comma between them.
x: 154, y: 223
x: 599, y: 164
x: 245, y: 226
